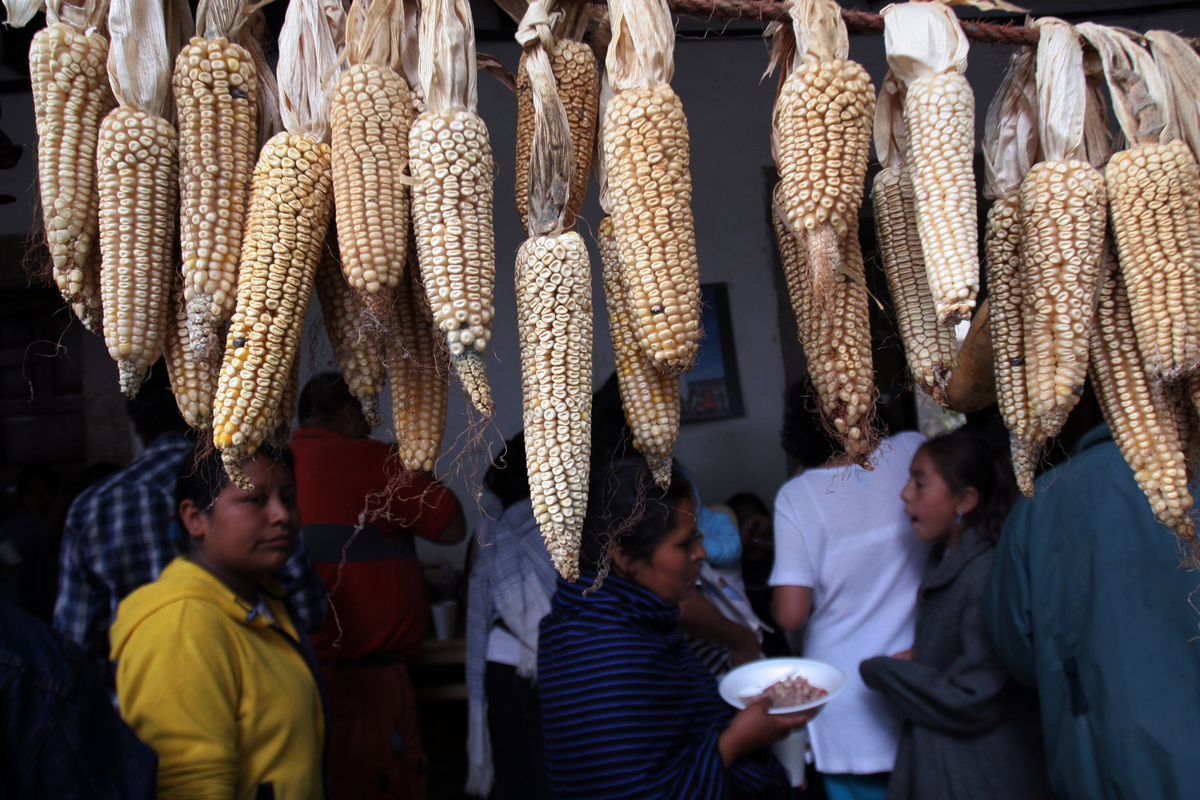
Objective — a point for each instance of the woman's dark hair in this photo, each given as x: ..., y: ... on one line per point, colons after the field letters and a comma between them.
x: 804, y: 436
x: 627, y: 509
x: 202, y: 477
x: 964, y: 462
x: 508, y: 476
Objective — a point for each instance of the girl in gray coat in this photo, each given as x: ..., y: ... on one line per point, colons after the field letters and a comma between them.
x: 970, y: 731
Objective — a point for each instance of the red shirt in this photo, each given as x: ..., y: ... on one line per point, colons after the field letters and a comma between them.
x: 377, y: 599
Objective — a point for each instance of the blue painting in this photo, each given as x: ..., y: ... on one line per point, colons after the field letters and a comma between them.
x: 711, y: 390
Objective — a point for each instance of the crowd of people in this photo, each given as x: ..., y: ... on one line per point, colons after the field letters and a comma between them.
x: 219, y: 642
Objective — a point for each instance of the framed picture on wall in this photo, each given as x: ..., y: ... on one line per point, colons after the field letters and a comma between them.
x: 712, y: 389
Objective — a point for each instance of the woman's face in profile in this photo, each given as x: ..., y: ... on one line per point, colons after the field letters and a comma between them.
x: 674, y: 566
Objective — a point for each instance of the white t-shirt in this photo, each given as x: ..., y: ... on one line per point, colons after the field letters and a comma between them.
x: 843, y: 533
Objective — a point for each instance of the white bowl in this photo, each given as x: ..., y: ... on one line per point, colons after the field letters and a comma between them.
x: 748, y: 679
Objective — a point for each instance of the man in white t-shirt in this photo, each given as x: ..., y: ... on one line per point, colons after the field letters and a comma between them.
x: 847, y: 567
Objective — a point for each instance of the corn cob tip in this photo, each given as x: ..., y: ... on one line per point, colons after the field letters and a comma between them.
x: 233, y: 458
x: 1021, y: 451
x: 470, y: 369
x: 131, y: 377
x: 660, y: 468
x: 91, y: 316
x: 370, y: 410
x: 567, y: 566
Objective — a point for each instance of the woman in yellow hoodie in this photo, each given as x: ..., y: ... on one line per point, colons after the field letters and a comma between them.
x: 213, y: 670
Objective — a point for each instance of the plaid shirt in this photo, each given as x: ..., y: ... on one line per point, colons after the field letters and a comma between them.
x: 117, y: 538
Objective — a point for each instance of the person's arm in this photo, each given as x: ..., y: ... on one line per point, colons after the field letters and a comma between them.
x: 178, y: 691
x: 791, y: 606
x: 82, y: 606
x: 700, y: 619
x: 754, y: 729
x: 1007, y: 601
x: 968, y: 697
x: 304, y: 588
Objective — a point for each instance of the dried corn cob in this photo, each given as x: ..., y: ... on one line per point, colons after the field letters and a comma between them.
x: 836, y: 340
x: 70, y: 96
x: 452, y: 199
x: 136, y: 162
x: 193, y: 381
x: 216, y: 93
x: 928, y: 345
x: 577, y: 77
x: 928, y: 50
x: 359, y: 355
x: 1062, y: 212
x: 554, y: 300
x: 418, y: 369
x: 821, y: 136
x: 289, y: 213
x: 650, y: 399
x: 371, y: 111
x: 279, y: 427
x: 1142, y: 424
x: 646, y: 157
x: 1006, y: 293
x: 1153, y: 192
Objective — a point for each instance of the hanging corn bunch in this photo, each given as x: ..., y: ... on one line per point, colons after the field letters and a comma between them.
x: 1010, y: 144
x: 371, y: 111
x: 577, y: 77
x: 646, y: 157
x: 1143, y: 424
x: 71, y: 94
x: 929, y: 346
x: 288, y: 216
x: 216, y: 94
x: 419, y: 370
x: 1153, y: 192
x: 927, y: 49
x: 1063, y: 216
x: 359, y: 355
x: 554, y: 316
x: 138, y: 189
x: 452, y: 198
x: 821, y: 137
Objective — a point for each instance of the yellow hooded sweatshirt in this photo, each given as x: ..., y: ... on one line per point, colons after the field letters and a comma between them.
x: 223, y: 696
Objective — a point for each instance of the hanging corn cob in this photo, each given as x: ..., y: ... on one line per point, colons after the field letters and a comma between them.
x: 138, y: 189
x: 193, y: 381
x: 71, y: 94
x: 836, y: 337
x: 371, y: 111
x: 577, y: 77
x: 288, y: 216
x: 216, y: 95
x: 452, y: 198
x: 279, y: 426
x: 1063, y: 217
x: 929, y: 346
x: 821, y: 136
x: 554, y: 317
x: 1010, y: 144
x: 1153, y: 192
x: 927, y: 49
x: 359, y: 355
x: 646, y: 157
x: 1143, y: 425
x: 418, y: 369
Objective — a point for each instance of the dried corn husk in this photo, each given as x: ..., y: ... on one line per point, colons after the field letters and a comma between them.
x: 1180, y: 68
x: 311, y: 68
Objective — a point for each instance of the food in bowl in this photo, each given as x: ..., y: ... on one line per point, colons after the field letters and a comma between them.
x: 789, y: 692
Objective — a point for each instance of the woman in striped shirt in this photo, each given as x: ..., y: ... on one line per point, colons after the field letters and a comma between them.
x: 628, y: 710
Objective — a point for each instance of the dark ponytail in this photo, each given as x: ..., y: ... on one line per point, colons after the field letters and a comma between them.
x: 964, y: 462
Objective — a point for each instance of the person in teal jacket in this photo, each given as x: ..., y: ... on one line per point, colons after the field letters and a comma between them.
x: 1087, y: 602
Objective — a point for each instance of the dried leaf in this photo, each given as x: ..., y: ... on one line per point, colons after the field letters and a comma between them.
x: 923, y: 39
x: 139, y: 62
x: 1138, y: 94
x: 308, y: 58
x: 598, y: 170
x: 1061, y: 89
x: 85, y: 16
x: 447, y: 63
x: 1180, y: 68
x: 19, y: 12
x: 1010, y: 137
x: 987, y: 5
x: 641, y: 53
x: 819, y: 29
x: 891, y: 134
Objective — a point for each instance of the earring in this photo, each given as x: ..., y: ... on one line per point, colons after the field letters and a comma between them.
x: 958, y: 518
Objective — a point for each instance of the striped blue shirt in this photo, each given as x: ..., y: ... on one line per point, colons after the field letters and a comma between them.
x: 627, y: 709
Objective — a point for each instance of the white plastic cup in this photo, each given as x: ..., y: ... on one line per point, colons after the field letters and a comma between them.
x: 790, y: 752
x: 444, y: 613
